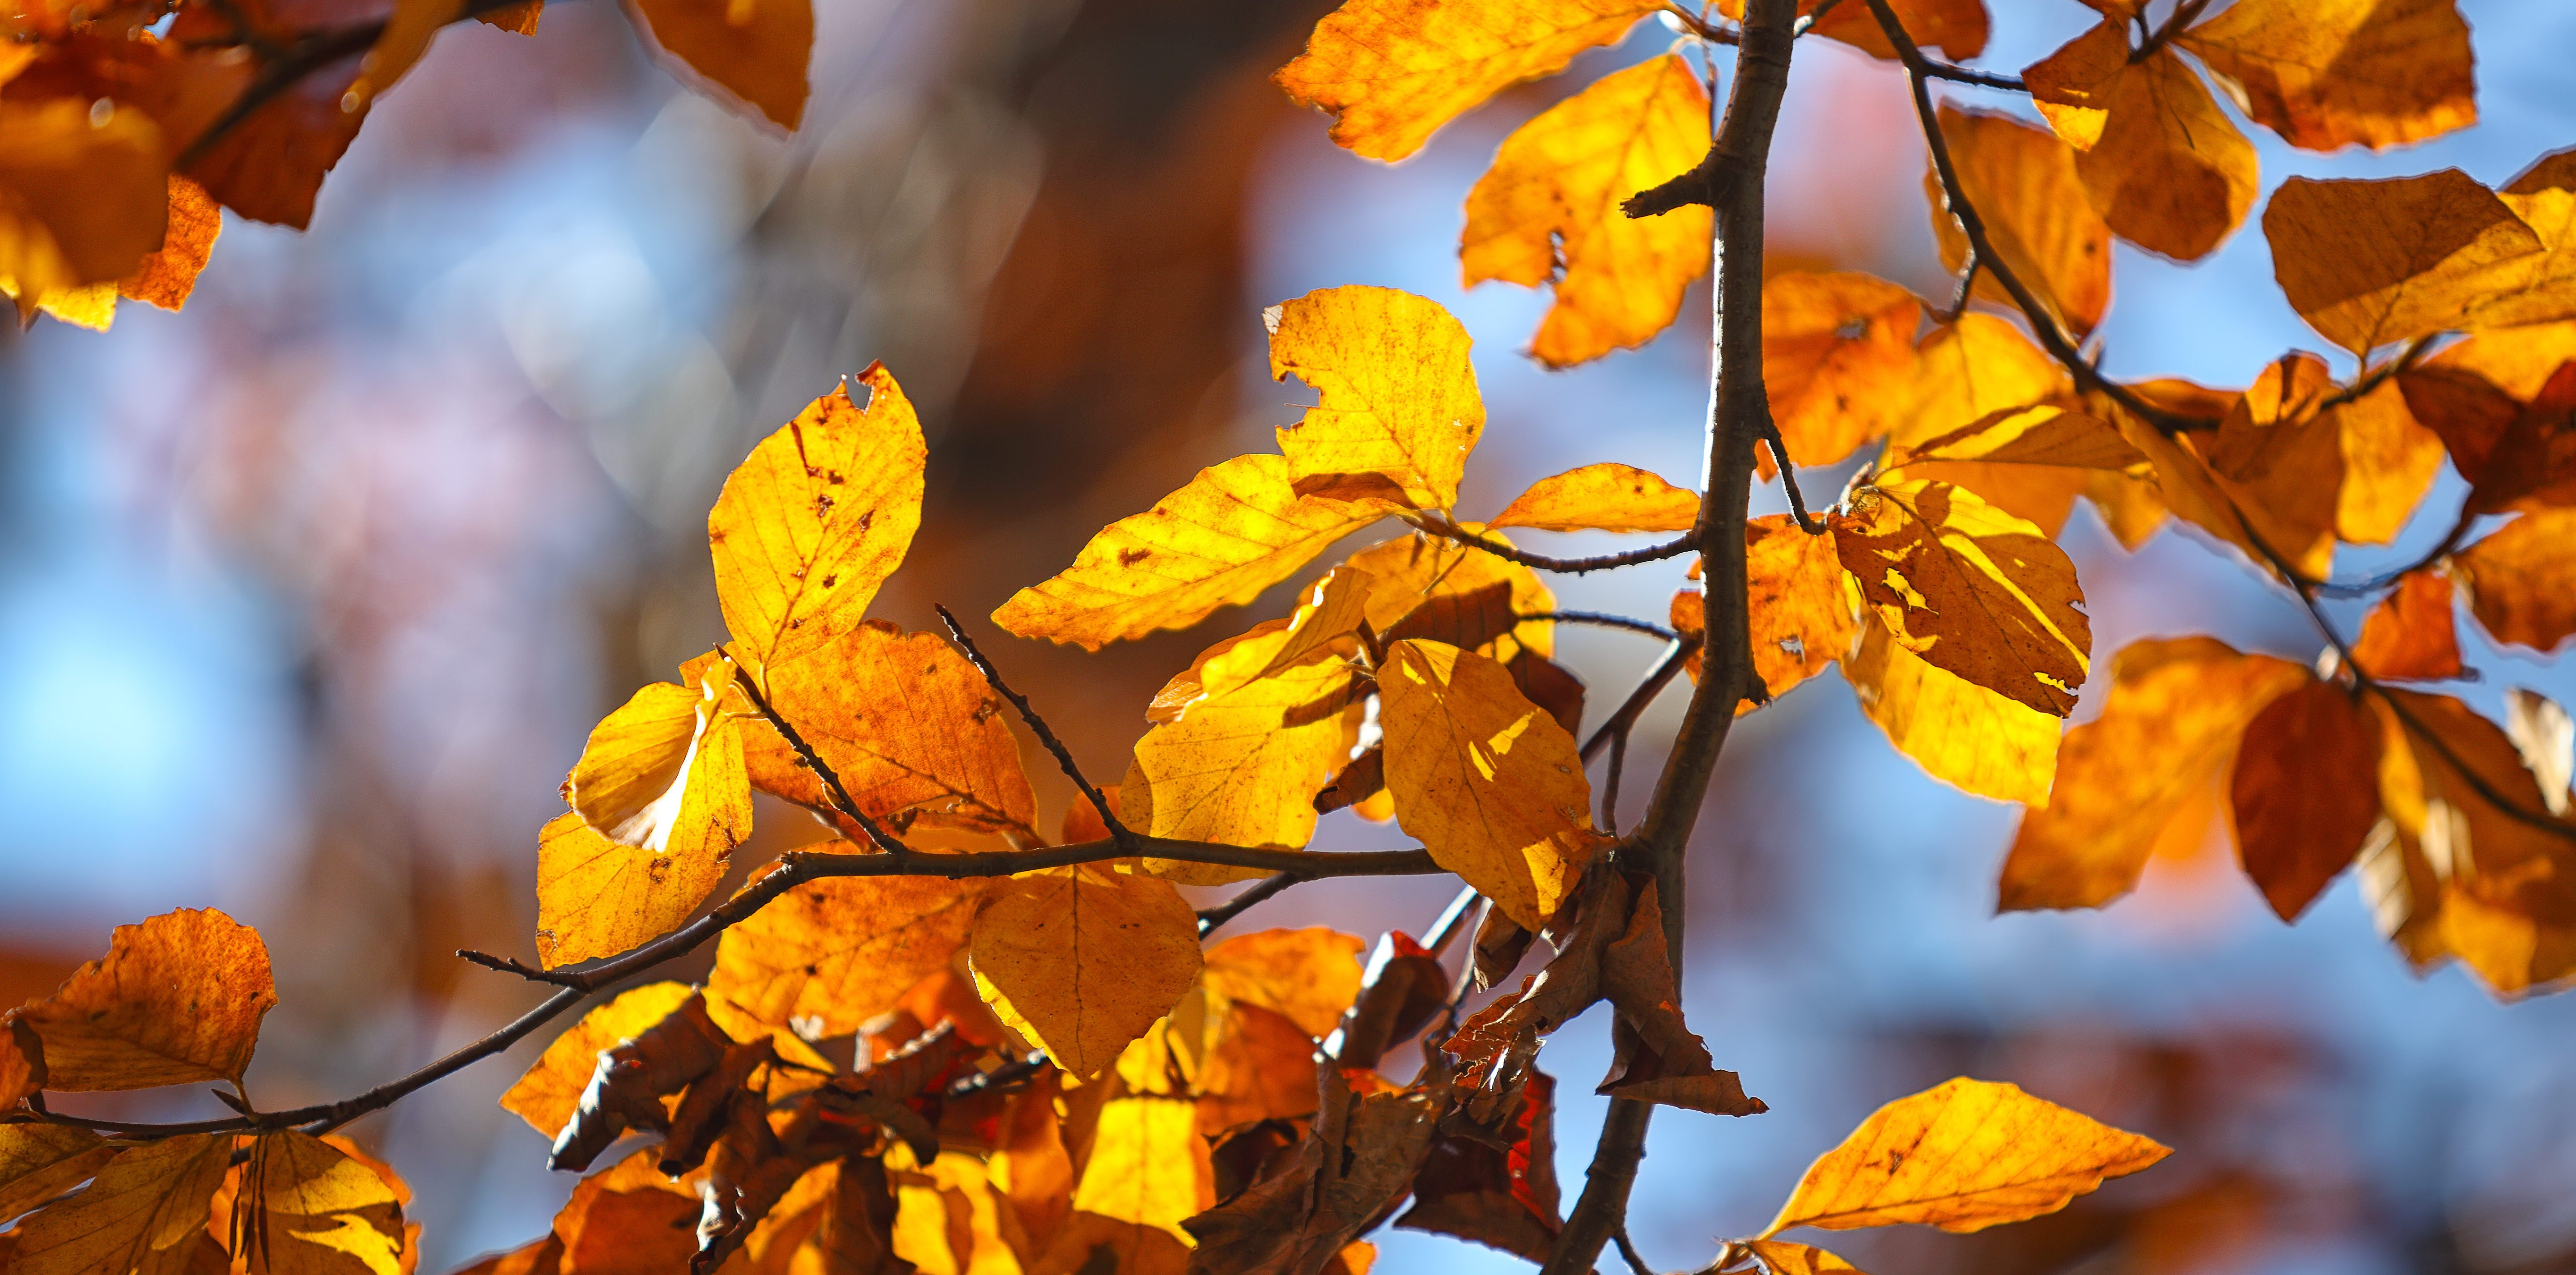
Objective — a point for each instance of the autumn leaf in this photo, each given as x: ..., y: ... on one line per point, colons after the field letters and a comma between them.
x: 2031, y: 462
x: 2022, y: 182
x: 2171, y: 726
x: 310, y: 1208
x: 177, y: 998
x: 597, y: 897
x: 1548, y: 212
x: 1837, y: 360
x: 84, y: 202
x: 628, y: 1220
x: 2276, y: 462
x: 1959, y: 732
x: 665, y: 772
x: 2410, y: 634
x: 168, y: 274
x: 1956, y: 27
x: 755, y: 51
x: 2326, y: 74
x: 1082, y: 961
x: 820, y: 513
x: 1429, y: 587
x: 2304, y: 792
x: 1487, y: 780
x: 144, y: 1214
x: 2540, y: 288
x: 1965, y: 372
x: 1235, y: 530
x: 1962, y: 1156
x: 1148, y: 1165
x: 2521, y: 583
x: 2389, y: 462
x: 40, y: 1161
x: 1801, y: 615
x: 832, y: 954
x: 1309, y: 975
x: 548, y: 1095
x: 1496, y: 1187
x: 907, y: 724
x: 1970, y: 589
x: 1392, y: 71
x: 2159, y: 161
x: 1242, y: 767
x: 1398, y: 395
x: 1780, y: 1257
x: 2371, y: 262
x: 1603, y: 497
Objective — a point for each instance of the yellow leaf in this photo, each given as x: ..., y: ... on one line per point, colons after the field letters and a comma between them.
x: 929, y: 1231
x: 548, y: 1095
x: 1957, y: 731
x: 1242, y: 767
x: 1398, y: 396
x: 665, y: 772
x: 41, y: 1161
x: 2326, y: 74
x: 2176, y: 712
x: 2280, y: 462
x: 1780, y: 1257
x: 2410, y: 634
x: 2022, y: 181
x: 1548, y: 212
x: 2159, y: 161
x: 754, y: 50
x: 310, y: 1208
x: 1969, y: 588
x: 1082, y: 961
x: 2516, y: 361
x: 2389, y: 462
x: 2540, y: 288
x: 80, y: 202
x: 596, y: 897
x: 1309, y: 975
x: 1488, y: 781
x: 92, y: 306
x: 1148, y: 1165
x: 1837, y: 358
x: 832, y: 954
x: 177, y: 998
x: 406, y: 37
x: 1392, y: 71
x: 1801, y: 614
x: 1235, y: 530
x: 1967, y: 371
x: 1603, y: 497
x: 1424, y: 586
x: 1962, y: 1156
x: 816, y: 518
x: 2370, y: 262
x: 2031, y: 462
x: 169, y: 274
x: 2304, y: 792
x: 2522, y: 582
x: 907, y: 723
x: 144, y: 1214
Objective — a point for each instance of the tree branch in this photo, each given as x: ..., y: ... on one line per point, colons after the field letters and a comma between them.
x: 1788, y: 476
x: 1598, y: 619
x: 841, y: 799
x: 1211, y: 918
x: 1433, y: 525
x: 1037, y: 725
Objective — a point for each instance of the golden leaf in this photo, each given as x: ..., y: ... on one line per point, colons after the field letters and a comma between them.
x: 2326, y: 74
x: 2176, y: 712
x: 832, y: 954
x: 1392, y: 71
x: 906, y: 722
x: 169, y: 273
x: 41, y: 1161
x: 1309, y: 975
x: 1082, y: 961
x: 2540, y: 288
x: 1962, y: 1156
x: 548, y: 1095
x: 2031, y: 462
x: 84, y: 203
x: 2410, y: 634
x: 596, y: 897
x: 1235, y: 530
x: 816, y: 518
x: 310, y: 1208
x: 177, y: 998
x: 1967, y: 371
x: 754, y: 50
x: 1801, y: 615
x: 1956, y: 27
x: 2022, y: 181
x: 2270, y: 474
x: 1780, y: 1257
x: 1970, y: 589
x: 1548, y: 212
x: 2304, y: 792
x: 2165, y: 168
x: 1959, y: 732
x: 2521, y: 581
x: 1242, y: 767
x: 2389, y: 462
x: 1398, y: 395
x: 1424, y: 586
x: 1148, y: 1165
x: 1837, y: 360
x: 1487, y: 780
x: 144, y: 1214
x: 665, y: 771
x: 1603, y: 497
x: 2368, y: 263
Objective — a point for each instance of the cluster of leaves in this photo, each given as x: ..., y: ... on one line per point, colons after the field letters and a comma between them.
x: 127, y: 126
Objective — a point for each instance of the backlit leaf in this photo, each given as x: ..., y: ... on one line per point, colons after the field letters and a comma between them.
x: 40, y: 1161
x: 2304, y: 792
x: 2022, y: 181
x: 1398, y: 395
x: 597, y: 897
x: 2030, y: 462
x: 82, y: 204
x: 1837, y: 358
x: 548, y: 1095
x: 1392, y: 71
x: 310, y: 1208
x: 820, y: 513
x: 665, y: 772
x: 832, y: 954
x: 1424, y: 586
x: 2521, y: 581
x: 1962, y: 1156
x: 1801, y: 616
x: 1780, y: 1257
x: 1309, y: 975
x: 2540, y: 288
x: 1957, y: 731
x: 2410, y: 634
x: 2389, y: 462
x: 1235, y: 530
x: 1969, y: 588
x: 1487, y: 780
x: 1603, y: 497
x: 2370, y: 262
x: 2176, y: 713
x: 2326, y: 74
x: 1548, y: 211
x: 144, y: 1214
x: 1148, y: 1165
x: 1956, y: 27
x: 169, y: 273
x: 2162, y: 165
x: 1243, y: 767
x: 1967, y: 371
x: 754, y: 50
x: 1082, y: 961
x: 177, y: 998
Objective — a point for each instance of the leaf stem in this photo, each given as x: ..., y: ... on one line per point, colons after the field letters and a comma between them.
x: 1432, y: 524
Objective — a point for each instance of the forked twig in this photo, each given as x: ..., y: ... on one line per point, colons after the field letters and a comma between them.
x: 1037, y: 725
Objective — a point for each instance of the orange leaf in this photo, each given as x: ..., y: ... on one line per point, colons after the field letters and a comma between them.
x: 2304, y: 792
x: 169, y: 273
x: 1242, y: 767
x: 40, y: 1161
x: 1801, y: 616
x: 597, y: 897
x: 2022, y: 181
x: 2326, y: 74
x: 1309, y: 975
x: 2521, y: 581
x: 1082, y: 961
x: 1837, y: 357
x: 2410, y: 634
x: 144, y: 1214
x: 1424, y: 586
x: 1780, y: 1257
x: 177, y: 998
x: 1398, y: 394
x: 2160, y: 162
x: 2368, y: 263
x: 753, y: 50
x: 548, y: 1095
x: 832, y: 954
x: 1956, y: 27
x: 1148, y: 1165
x: 84, y: 202
x: 1603, y: 497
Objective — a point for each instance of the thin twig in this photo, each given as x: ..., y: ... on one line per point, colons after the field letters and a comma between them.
x: 841, y: 799
x: 2043, y: 323
x: 1118, y: 832
x: 1601, y: 620
x: 1009, y: 1073
x: 1628, y: 1250
x: 2173, y: 26
x: 1633, y: 707
x: 1445, y: 926
x: 2364, y: 588
x: 1211, y: 918
x: 1958, y: 306
x: 2370, y: 380
x: 512, y: 965
x: 1789, y: 478
x: 1433, y: 525
x: 1610, y: 784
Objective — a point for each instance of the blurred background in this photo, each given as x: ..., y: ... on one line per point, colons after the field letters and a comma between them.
x: 311, y: 594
